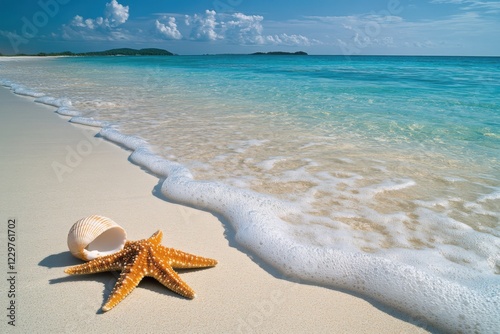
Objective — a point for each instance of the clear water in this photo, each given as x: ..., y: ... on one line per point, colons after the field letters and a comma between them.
x: 364, y: 173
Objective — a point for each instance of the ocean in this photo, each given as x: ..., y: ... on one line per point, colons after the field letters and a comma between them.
x: 375, y: 175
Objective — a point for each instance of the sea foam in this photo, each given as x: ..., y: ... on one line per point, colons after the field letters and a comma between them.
x: 20, y: 89
x: 89, y: 121
x: 67, y: 111
x: 56, y: 102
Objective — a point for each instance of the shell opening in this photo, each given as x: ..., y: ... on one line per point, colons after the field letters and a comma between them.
x: 109, y: 242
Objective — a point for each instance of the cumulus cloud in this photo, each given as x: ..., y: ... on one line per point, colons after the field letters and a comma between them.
x: 116, y: 14
x: 238, y: 28
x: 244, y: 29
x: 204, y: 26
x: 169, y: 29
x: 100, y: 28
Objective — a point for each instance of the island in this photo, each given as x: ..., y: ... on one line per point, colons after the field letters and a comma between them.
x: 143, y: 52
x: 130, y: 52
x: 280, y: 53
x: 112, y: 52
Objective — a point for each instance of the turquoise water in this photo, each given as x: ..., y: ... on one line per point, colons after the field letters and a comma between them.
x: 379, y: 175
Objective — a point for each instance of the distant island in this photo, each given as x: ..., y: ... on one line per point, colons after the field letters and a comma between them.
x: 143, y: 52
x: 130, y: 52
x: 280, y: 53
x: 112, y: 52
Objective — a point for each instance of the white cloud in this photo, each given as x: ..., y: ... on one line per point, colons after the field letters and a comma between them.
x: 168, y: 30
x: 238, y: 28
x: 244, y: 29
x: 100, y: 28
x: 116, y: 14
x: 204, y: 26
x: 291, y: 40
x: 491, y: 7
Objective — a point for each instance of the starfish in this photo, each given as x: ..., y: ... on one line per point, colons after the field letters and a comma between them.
x: 143, y: 258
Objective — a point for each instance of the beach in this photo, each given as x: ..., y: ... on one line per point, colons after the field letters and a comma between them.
x: 55, y: 173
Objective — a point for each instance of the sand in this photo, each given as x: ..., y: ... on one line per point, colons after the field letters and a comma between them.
x: 55, y: 172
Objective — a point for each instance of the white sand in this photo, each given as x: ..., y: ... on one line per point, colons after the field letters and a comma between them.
x: 239, y: 295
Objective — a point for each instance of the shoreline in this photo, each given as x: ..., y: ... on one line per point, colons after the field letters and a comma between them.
x: 240, y: 294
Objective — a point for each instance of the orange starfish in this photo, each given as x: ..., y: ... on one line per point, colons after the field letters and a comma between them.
x: 143, y: 258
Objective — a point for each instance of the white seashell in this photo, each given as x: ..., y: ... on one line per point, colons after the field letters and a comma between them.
x: 95, y: 236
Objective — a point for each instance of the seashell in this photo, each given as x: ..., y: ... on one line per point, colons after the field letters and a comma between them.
x: 95, y: 236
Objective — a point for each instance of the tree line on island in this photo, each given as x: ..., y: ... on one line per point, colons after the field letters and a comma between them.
x: 280, y: 53
x: 143, y: 52
x: 112, y: 52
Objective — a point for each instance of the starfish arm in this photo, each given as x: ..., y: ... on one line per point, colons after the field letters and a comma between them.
x: 105, y: 263
x: 155, y: 239
x: 130, y: 277
x: 181, y: 260
x: 164, y: 274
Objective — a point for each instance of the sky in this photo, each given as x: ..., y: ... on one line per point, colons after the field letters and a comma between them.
x: 339, y: 27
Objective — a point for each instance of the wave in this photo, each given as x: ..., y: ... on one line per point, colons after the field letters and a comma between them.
x: 89, y: 121
x: 52, y: 101
x: 20, y: 89
x: 67, y: 111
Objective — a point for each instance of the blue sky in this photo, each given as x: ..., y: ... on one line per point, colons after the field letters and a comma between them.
x: 348, y: 27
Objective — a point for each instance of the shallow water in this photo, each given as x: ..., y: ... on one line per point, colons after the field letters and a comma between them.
x: 345, y: 172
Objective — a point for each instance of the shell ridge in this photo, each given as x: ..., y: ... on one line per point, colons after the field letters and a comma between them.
x: 95, y: 236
